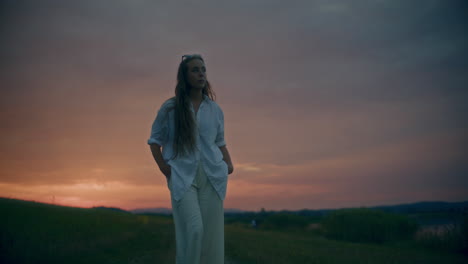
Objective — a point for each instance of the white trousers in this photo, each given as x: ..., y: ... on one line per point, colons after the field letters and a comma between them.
x: 199, y: 223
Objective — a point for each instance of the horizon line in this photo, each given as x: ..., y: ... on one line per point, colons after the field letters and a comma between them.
x: 243, y: 210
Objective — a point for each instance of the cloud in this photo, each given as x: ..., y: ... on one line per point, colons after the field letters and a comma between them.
x: 429, y: 162
x: 90, y: 193
x: 313, y: 92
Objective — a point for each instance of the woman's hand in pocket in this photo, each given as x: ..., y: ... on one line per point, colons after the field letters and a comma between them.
x: 230, y: 168
x: 166, y: 170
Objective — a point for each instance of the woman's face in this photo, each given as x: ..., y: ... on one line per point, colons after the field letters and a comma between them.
x: 196, y: 75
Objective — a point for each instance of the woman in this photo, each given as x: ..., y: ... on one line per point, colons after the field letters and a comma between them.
x: 190, y: 130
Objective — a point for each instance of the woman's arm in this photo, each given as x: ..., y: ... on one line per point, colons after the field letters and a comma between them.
x: 227, y: 158
x: 157, y: 155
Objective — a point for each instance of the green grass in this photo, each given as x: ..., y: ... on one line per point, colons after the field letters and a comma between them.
x: 259, y: 246
x: 40, y: 233
x: 368, y: 225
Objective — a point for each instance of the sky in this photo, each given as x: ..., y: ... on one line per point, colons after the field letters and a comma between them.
x: 327, y: 103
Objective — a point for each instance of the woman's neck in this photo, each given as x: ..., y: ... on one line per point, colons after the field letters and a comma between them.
x: 196, y: 95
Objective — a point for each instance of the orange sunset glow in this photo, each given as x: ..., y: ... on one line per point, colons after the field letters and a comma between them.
x: 326, y: 104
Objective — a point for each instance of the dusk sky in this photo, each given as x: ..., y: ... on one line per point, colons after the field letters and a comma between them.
x: 327, y: 103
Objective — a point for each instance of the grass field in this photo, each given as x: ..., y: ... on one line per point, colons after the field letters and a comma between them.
x: 42, y: 233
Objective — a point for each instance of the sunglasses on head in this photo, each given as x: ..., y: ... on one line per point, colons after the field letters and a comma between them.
x: 188, y: 56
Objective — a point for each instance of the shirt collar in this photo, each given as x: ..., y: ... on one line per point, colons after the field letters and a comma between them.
x: 206, y: 99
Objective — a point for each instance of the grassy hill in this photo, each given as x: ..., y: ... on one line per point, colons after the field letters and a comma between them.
x: 33, y: 232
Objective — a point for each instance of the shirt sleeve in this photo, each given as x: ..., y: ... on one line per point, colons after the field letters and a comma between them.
x: 159, y: 129
x: 220, y: 135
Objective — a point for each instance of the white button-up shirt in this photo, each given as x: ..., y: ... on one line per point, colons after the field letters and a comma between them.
x: 209, y: 136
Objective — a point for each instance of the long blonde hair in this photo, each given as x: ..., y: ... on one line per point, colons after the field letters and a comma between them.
x: 184, y: 122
